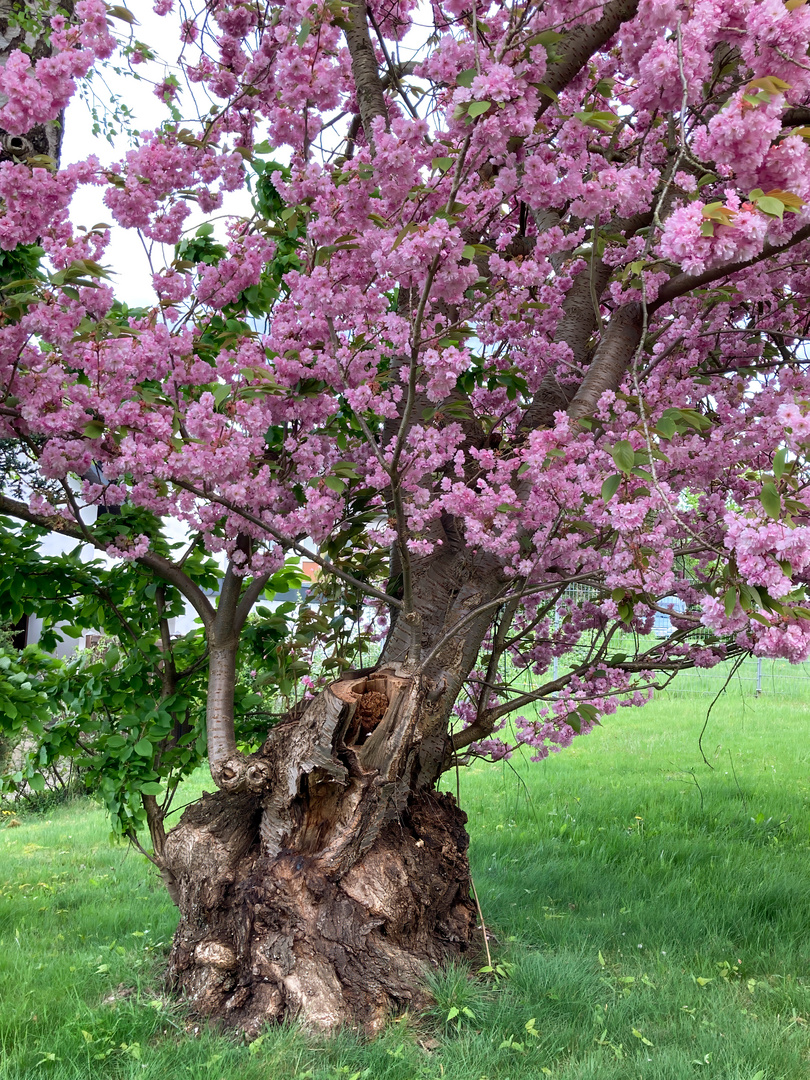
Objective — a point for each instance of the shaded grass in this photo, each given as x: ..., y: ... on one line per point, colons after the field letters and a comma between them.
x: 651, y: 915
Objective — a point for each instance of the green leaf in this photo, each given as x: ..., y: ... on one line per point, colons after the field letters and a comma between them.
x: 730, y: 601
x: 547, y: 91
x: 666, y: 427
x: 468, y: 252
x: 37, y: 782
x: 94, y: 430
x: 303, y: 33
x: 122, y: 13
x: 779, y: 463
x: 546, y: 37
x: 478, y: 108
x: 624, y: 455
x: 335, y: 484
x: 638, y: 1035
x: 601, y: 120
x: 770, y: 499
x: 441, y: 163
x: 152, y: 787
x: 465, y: 78
x: 771, y: 206
x: 610, y: 487
x: 405, y: 231
x: 143, y: 747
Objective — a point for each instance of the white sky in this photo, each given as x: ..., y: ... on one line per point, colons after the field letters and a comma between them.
x: 125, y: 254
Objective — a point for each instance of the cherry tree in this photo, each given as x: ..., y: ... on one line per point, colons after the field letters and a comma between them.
x: 510, y: 344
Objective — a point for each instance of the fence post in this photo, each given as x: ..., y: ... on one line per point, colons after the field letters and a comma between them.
x: 759, y: 676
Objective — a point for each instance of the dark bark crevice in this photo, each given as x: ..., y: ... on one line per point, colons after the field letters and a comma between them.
x: 16, y: 19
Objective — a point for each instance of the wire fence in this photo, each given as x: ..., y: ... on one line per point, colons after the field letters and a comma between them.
x: 752, y: 678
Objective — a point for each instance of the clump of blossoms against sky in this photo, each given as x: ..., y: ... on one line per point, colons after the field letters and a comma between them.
x: 555, y: 318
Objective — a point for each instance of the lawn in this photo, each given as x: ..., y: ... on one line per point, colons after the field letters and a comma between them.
x: 650, y: 916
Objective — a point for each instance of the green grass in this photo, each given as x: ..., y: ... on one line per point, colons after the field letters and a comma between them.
x: 652, y: 918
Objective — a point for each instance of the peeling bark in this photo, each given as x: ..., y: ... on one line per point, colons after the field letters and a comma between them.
x: 327, y: 877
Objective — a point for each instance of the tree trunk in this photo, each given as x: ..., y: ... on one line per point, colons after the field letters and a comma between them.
x: 331, y: 895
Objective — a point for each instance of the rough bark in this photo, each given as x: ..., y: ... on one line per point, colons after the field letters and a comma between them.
x: 331, y: 895
x: 327, y: 877
x: 330, y: 883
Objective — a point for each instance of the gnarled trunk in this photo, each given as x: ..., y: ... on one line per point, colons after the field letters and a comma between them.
x: 327, y: 877
x: 332, y: 893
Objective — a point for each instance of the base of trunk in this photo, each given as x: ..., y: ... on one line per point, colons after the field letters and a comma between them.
x: 265, y: 938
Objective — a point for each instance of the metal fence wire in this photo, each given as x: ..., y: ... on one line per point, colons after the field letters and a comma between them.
x: 754, y: 677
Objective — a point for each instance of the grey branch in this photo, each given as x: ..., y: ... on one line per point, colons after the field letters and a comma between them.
x: 610, y: 361
x: 583, y: 41
x: 367, y: 81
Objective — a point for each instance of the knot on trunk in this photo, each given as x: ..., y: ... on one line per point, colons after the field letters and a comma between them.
x: 243, y: 774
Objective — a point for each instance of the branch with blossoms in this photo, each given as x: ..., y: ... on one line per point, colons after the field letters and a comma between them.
x: 485, y: 327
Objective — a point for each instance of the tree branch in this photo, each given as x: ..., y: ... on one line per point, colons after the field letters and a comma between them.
x: 683, y: 283
x: 582, y: 42
x: 292, y: 545
x: 249, y: 598
x: 228, y: 601
x: 610, y: 361
x: 798, y: 116
x: 151, y: 560
x: 479, y: 729
x: 365, y: 72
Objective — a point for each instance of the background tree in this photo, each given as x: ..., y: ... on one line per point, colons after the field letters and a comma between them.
x: 512, y: 349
